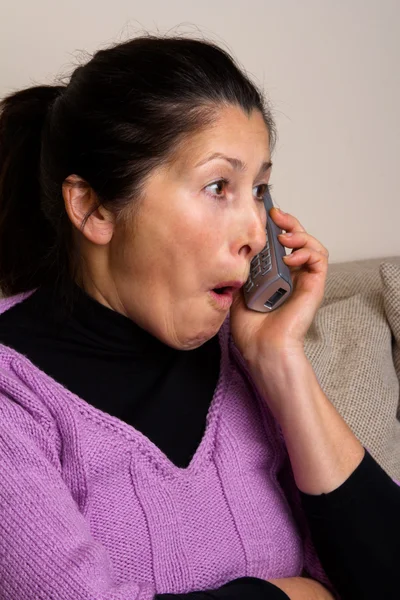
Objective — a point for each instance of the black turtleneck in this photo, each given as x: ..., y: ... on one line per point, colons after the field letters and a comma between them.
x: 115, y: 365
x: 121, y: 369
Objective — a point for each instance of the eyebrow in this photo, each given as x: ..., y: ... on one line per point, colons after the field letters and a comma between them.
x: 236, y: 163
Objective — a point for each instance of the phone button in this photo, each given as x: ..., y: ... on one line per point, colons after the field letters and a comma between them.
x: 266, y: 269
x: 255, y: 260
x: 256, y: 271
x: 248, y: 286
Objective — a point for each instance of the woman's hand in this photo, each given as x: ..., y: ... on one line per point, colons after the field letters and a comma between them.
x: 302, y: 588
x: 285, y: 328
x: 322, y: 448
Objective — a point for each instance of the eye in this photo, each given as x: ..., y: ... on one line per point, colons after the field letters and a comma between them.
x: 218, y: 186
x: 262, y: 189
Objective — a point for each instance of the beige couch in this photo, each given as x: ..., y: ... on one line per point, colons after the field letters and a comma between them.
x: 354, y: 347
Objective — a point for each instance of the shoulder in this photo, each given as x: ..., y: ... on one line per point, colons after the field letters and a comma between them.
x: 25, y: 417
x: 13, y: 383
x: 19, y: 397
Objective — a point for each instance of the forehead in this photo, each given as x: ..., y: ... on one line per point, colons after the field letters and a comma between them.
x: 233, y: 133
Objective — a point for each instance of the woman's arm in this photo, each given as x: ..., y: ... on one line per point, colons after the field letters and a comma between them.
x: 322, y: 448
x: 350, y: 503
x: 356, y: 532
x: 302, y: 588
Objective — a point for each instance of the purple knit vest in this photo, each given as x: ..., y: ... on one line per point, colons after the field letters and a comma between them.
x: 92, y: 509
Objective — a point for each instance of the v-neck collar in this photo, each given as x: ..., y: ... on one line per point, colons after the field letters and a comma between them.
x: 53, y: 392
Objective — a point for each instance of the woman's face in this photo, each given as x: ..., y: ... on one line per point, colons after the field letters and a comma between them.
x: 201, y: 221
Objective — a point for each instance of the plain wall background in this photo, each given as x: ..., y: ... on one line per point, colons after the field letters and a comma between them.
x: 329, y: 68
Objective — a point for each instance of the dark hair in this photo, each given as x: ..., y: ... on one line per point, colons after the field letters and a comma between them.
x: 122, y: 114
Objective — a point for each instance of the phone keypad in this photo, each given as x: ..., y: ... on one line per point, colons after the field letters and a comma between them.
x: 260, y: 264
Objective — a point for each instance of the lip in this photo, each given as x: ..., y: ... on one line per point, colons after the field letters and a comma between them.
x: 233, y: 284
x: 222, y: 301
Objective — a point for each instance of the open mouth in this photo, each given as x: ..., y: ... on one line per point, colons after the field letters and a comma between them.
x: 222, y: 290
x: 223, y: 297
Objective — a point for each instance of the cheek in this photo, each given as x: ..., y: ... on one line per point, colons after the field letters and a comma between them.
x: 200, y: 227
x: 199, y: 245
x: 176, y: 245
x: 188, y: 235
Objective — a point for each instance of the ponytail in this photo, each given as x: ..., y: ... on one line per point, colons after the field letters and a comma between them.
x: 26, y: 236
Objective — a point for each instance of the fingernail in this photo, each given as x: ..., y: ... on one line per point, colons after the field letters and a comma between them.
x: 280, y: 210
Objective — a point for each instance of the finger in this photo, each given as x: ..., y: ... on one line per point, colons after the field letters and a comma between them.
x: 285, y: 220
x: 304, y: 257
x: 301, y: 239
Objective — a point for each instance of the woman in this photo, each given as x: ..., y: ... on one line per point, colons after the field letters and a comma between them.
x: 154, y: 443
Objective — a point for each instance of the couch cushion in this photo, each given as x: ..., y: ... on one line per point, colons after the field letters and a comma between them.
x: 390, y: 274
x: 354, y: 277
x: 350, y: 347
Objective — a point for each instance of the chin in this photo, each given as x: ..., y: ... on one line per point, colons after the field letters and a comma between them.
x: 195, y: 338
x: 193, y: 326
x: 205, y: 333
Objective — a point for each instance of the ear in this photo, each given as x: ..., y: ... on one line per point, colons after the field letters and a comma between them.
x: 79, y: 200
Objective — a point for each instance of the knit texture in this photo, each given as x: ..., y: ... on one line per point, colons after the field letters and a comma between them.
x: 91, y: 509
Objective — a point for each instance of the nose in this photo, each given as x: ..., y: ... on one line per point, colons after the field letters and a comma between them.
x: 254, y: 236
